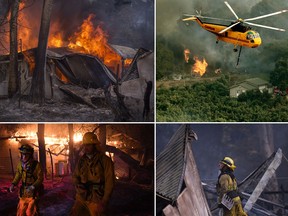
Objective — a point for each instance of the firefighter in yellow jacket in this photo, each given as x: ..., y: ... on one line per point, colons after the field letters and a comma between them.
x: 94, y: 179
x: 228, y: 196
x: 30, y: 172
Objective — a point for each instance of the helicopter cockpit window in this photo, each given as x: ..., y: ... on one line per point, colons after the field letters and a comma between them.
x: 252, y: 35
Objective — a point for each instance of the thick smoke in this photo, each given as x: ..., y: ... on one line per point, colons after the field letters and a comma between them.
x: 202, y: 43
x: 129, y: 23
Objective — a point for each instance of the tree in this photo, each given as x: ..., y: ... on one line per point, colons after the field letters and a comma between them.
x: 164, y: 60
x: 37, y: 92
x: 5, y: 7
x: 279, y: 77
x: 13, y: 66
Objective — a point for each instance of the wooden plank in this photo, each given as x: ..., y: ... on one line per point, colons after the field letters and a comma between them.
x: 171, y: 211
x: 264, y: 181
x: 186, y: 204
x: 193, y: 183
x: 78, y: 93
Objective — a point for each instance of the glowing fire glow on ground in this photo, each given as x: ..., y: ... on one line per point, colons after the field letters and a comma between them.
x: 199, y: 66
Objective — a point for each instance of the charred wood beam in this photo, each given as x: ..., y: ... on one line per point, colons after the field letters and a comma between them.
x: 71, y: 149
x: 56, y: 154
x: 12, y: 137
x: 42, y: 151
x: 247, y: 195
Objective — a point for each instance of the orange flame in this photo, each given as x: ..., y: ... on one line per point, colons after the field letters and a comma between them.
x: 200, y: 66
x: 87, y: 39
x: 93, y: 41
x: 25, y: 30
x: 56, y: 40
x: 127, y: 62
x: 186, y: 55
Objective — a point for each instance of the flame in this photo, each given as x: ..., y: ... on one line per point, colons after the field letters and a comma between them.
x: 87, y: 39
x: 77, y: 137
x: 56, y: 40
x: 127, y: 62
x: 25, y: 30
x: 49, y: 140
x: 200, y: 66
x: 186, y: 55
x: 93, y: 41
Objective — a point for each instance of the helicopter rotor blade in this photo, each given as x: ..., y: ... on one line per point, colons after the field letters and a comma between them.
x: 267, y: 15
x: 212, y: 18
x: 230, y: 8
x: 264, y: 26
x: 229, y: 27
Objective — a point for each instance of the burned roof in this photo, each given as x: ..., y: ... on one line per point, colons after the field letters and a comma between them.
x: 123, y: 51
x: 132, y: 72
x: 82, y: 69
x: 170, y: 165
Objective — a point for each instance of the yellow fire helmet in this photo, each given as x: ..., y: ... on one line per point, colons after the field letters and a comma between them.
x: 26, y: 149
x: 90, y: 138
x: 228, y: 162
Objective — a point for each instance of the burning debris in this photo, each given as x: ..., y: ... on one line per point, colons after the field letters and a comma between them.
x: 186, y: 55
x: 126, y: 147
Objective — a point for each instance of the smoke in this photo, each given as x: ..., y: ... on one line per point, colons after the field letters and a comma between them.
x: 126, y: 24
x: 242, y: 142
x: 202, y: 43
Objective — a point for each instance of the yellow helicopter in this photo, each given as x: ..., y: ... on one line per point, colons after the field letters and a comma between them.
x: 237, y: 33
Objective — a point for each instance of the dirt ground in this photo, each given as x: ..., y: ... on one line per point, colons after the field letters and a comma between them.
x: 68, y: 110
x: 127, y: 199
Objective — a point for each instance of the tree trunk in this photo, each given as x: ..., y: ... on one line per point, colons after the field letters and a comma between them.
x: 13, y: 66
x: 42, y: 150
x: 71, y: 149
x: 37, y: 92
x: 102, y: 136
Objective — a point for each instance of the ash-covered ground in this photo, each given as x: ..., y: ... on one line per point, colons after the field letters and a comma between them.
x: 127, y: 198
x: 65, y: 111
x: 72, y: 110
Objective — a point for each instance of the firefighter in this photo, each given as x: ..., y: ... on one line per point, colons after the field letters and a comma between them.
x: 228, y: 195
x: 94, y: 179
x: 30, y: 172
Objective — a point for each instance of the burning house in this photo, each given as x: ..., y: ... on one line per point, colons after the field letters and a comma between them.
x: 81, y: 57
x: 131, y: 152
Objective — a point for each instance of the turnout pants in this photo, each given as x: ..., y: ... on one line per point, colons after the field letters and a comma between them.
x: 236, y: 210
x: 86, y: 208
x: 27, y: 206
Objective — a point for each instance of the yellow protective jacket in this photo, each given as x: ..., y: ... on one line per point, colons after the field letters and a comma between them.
x: 225, y: 185
x: 96, y: 175
x: 31, y: 174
